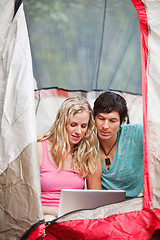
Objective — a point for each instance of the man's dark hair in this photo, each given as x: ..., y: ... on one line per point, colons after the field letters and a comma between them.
x: 108, y: 102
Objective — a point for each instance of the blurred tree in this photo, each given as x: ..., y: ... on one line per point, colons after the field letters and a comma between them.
x: 85, y: 44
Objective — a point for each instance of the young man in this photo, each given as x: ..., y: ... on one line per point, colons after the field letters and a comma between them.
x: 121, y: 146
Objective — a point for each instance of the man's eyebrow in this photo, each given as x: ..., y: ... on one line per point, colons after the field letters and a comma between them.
x: 100, y: 114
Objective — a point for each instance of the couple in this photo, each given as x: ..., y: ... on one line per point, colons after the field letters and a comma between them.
x: 71, y: 151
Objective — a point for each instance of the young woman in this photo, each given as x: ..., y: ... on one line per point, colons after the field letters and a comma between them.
x: 69, y: 154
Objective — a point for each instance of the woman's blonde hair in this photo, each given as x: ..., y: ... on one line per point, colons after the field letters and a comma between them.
x: 86, y: 152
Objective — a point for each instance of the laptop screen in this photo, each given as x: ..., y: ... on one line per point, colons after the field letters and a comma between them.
x: 78, y: 199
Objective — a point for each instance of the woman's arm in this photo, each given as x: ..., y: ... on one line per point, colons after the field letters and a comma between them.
x: 94, y: 180
x: 50, y: 212
x: 47, y: 210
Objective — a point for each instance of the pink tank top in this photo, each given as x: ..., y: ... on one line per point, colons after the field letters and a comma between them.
x: 53, y: 181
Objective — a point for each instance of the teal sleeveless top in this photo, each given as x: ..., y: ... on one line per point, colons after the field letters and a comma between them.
x: 126, y: 171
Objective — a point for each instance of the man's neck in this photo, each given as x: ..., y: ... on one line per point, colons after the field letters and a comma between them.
x: 108, y: 143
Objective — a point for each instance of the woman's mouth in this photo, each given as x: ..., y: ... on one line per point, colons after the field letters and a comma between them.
x: 76, y: 137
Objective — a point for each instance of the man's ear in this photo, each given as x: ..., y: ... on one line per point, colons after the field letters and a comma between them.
x: 126, y: 120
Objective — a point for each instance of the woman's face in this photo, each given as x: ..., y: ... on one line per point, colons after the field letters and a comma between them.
x: 78, y: 127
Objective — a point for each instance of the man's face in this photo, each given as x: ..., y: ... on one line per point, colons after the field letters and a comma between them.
x: 107, y: 125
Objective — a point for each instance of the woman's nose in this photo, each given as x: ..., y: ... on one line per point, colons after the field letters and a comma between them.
x: 78, y: 129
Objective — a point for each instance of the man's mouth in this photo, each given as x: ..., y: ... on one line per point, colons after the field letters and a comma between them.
x: 104, y: 133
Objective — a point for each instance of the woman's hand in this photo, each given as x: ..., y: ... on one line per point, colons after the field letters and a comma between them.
x: 50, y: 213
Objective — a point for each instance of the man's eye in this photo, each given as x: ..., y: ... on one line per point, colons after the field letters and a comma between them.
x: 113, y: 121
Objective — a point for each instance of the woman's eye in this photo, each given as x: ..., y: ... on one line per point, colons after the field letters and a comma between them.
x: 84, y: 125
x: 72, y: 124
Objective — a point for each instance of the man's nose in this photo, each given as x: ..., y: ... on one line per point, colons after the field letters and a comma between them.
x: 106, y: 124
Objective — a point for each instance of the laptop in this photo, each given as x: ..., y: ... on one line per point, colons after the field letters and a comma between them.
x: 78, y: 199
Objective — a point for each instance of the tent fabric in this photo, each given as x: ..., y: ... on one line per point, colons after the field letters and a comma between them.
x: 104, y: 223
x: 37, y: 231
x: 20, y: 205
x: 144, y: 53
x: 150, y: 71
x: 153, y: 73
x: 134, y: 225
x: 16, y: 105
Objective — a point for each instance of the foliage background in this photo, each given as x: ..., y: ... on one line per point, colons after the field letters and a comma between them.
x: 85, y: 44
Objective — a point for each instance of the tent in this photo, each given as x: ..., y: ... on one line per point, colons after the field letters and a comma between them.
x: 96, y: 67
